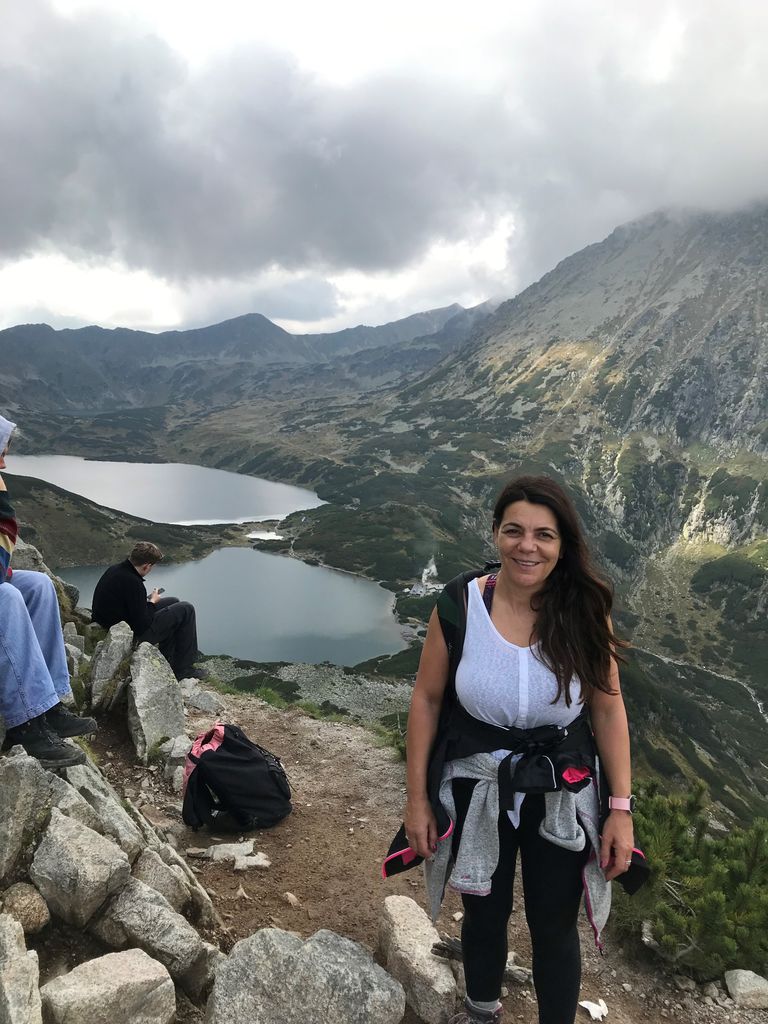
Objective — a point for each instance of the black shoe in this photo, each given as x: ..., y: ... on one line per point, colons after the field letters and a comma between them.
x: 49, y: 749
x: 61, y: 721
x: 194, y: 673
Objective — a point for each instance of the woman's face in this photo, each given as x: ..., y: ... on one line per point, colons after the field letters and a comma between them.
x: 529, y: 543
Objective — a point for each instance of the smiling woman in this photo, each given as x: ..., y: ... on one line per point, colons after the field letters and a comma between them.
x: 517, y: 695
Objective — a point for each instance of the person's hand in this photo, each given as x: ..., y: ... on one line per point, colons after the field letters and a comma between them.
x: 617, y: 843
x: 154, y: 597
x: 2, y: 485
x: 420, y: 826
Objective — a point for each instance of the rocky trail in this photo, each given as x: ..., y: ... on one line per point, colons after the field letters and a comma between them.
x: 324, y: 862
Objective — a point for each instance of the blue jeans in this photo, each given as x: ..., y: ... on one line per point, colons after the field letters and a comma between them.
x: 33, y: 662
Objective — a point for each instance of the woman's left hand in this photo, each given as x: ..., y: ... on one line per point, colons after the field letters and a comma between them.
x: 616, y: 844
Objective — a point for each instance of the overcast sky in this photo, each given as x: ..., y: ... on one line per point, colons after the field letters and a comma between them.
x: 171, y: 163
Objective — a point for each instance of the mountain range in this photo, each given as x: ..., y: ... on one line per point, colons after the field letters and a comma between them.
x: 636, y: 371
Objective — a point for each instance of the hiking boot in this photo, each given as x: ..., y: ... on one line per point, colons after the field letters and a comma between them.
x: 49, y: 749
x: 471, y: 1015
x: 63, y: 723
x: 194, y: 673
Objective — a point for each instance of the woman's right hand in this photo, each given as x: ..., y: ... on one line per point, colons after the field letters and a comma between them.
x: 420, y: 826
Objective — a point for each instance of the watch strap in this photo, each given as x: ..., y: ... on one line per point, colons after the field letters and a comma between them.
x: 621, y: 803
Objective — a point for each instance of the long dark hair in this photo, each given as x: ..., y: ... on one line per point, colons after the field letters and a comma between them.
x: 573, y: 607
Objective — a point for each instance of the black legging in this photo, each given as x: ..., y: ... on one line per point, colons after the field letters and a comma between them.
x: 552, y: 887
x: 174, y: 632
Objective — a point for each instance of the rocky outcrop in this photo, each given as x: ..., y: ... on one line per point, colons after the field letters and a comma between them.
x: 155, y: 708
x: 122, y: 988
x: 275, y: 978
x: 141, y: 916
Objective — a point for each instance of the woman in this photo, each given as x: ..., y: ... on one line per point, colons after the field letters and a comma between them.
x: 516, y: 665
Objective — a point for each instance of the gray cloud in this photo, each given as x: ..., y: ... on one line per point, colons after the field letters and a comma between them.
x: 113, y: 147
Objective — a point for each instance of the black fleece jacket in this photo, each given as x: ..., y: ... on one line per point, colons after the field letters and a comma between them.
x: 120, y: 596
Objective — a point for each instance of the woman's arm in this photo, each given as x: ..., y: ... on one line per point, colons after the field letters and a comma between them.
x: 427, y: 699
x: 609, y: 723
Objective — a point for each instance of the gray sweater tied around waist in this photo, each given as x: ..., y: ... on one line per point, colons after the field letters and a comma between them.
x: 570, y: 820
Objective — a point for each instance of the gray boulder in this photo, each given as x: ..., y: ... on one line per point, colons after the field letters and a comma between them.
x: 155, y: 709
x: 121, y: 988
x: 406, y: 937
x: 70, y: 802
x: 76, y: 869
x: 19, y: 976
x: 26, y: 556
x: 72, y: 637
x: 747, y: 989
x: 23, y: 902
x: 151, y: 869
x: 140, y: 916
x: 109, y: 673
x: 25, y: 801
x: 274, y: 978
x: 200, y: 700
x: 201, y: 910
x: 114, y: 820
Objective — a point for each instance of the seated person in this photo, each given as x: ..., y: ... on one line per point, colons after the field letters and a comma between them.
x: 33, y: 662
x: 168, y: 623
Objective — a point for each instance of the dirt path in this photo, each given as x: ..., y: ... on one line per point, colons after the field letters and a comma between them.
x: 348, y: 796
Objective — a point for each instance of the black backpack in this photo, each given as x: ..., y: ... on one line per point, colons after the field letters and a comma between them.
x: 232, y: 784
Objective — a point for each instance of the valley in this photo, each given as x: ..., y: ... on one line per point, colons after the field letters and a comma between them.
x: 636, y: 371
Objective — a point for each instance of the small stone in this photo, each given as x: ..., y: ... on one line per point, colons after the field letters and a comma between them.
x: 626, y: 986
x: 458, y: 915
x: 25, y: 903
x: 290, y: 898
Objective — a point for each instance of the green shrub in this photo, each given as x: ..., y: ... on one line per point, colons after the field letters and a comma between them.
x: 707, y: 898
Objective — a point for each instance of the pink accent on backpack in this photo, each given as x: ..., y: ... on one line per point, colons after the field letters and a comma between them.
x: 210, y: 740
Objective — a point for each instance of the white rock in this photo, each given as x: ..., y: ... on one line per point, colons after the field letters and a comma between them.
x: 596, y: 1010
x: 259, y: 860
x: 406, y: 937
x: 122, y: 988
x: 230, y: 851
x: 747, y: 989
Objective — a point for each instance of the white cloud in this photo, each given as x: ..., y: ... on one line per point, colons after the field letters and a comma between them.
x: 170, y: 163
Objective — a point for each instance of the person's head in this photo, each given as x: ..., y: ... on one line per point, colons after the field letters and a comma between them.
x: 537, y: 532
x: 6, y: 429
x: 144, y: 555
x: 543, y: 547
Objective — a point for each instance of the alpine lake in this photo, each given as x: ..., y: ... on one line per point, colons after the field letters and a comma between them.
x: 250, y: 604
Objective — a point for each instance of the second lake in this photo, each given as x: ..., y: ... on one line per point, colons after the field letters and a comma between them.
x: 271, y: 608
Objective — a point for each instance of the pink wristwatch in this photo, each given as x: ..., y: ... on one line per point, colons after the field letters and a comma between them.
x: 622, y: 803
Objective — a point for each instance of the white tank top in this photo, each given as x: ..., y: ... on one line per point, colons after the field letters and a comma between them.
x: 506, y: 685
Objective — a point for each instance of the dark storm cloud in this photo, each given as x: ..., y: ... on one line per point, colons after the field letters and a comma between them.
x: 113, y: 147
